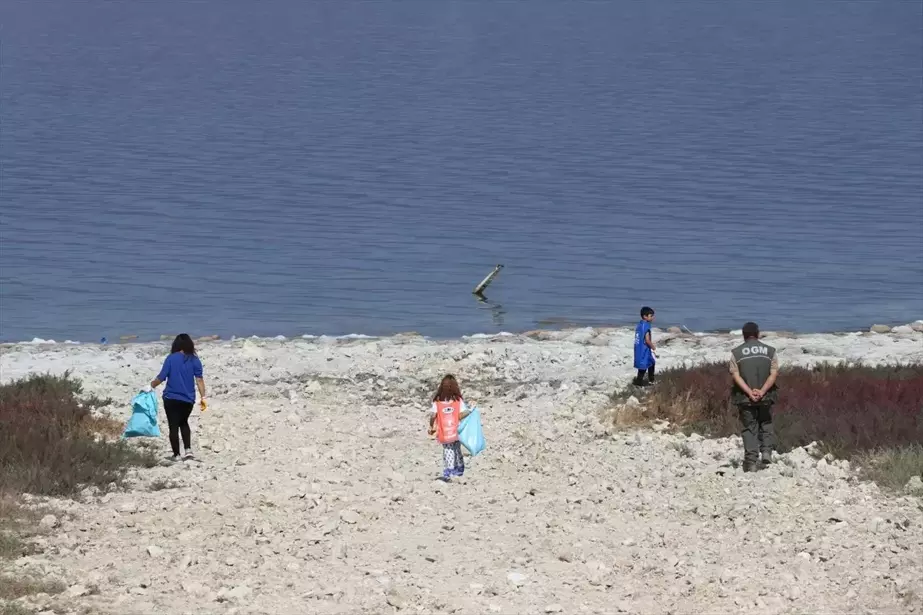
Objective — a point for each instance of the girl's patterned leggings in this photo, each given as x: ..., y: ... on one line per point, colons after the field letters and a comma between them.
x: 452, y: 457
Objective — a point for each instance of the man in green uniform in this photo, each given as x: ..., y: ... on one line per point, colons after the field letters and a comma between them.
x: 754, y: 369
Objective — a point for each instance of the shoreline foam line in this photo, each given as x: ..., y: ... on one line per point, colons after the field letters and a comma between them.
x: 552, y: 333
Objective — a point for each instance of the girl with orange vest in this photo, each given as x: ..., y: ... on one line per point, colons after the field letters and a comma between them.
x: 447, y: 412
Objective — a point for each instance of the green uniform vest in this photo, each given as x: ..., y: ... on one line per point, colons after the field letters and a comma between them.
x: 754, y: 362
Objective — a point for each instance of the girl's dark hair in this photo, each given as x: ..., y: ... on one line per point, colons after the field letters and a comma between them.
x: 183, y: 343
x: 448, y: 389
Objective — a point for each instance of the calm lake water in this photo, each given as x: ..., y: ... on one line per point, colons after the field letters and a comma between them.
x: 290, y: 167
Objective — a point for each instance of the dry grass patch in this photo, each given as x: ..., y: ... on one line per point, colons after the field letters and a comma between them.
x: 12, y: 588
x: 14, y: 608
x: 17, y: 524
x: 875, y: 413
x: 162, y: 484
x: 104, y: 426
x: 50, y: 442
x: 893, y: 468
x: 850, y: 408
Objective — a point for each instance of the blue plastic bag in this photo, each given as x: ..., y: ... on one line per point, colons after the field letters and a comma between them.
x: 143, y: 421
x: 470, y: 433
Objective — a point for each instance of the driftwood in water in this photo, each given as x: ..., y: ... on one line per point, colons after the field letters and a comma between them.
x: 479, y: 289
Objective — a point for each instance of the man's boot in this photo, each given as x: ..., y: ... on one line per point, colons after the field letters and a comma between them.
x: 750, y: 466
x: 767, y: 459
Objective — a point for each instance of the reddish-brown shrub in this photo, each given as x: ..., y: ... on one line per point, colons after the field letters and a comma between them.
x: 847, y: 407
x: 47, y: 440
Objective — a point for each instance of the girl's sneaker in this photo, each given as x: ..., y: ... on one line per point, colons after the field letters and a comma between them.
x: 173, y: 458
x: 189, y: 456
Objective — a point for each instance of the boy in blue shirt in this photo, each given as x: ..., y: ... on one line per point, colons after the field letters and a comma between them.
x: 644, y: 349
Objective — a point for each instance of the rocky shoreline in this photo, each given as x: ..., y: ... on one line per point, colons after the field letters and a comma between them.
x: 314, y: 491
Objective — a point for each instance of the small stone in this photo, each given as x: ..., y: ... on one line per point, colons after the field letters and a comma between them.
x: 397, y: 600
x: 350, y: 516
x: 623, y: 606
x: 876, y: 525
x: 128, y: 508
x: 566, y: 556
x: 554, y: 608
x: 915, y: 485
x: 793, y: 593
x: 330, y: 527
x: 194, y: 587
x: 628, y: 542
x: 880, y: 329
x: 517, y: 578
x: 661, y: 426
x: 78, y: 591
x: 154, y: 551
x: 240, y: 592
x: 917, y: 326
x: 49, y: 522
x: 340, y: 551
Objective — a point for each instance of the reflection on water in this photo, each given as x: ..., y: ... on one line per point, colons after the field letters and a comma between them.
x: 496, y: 310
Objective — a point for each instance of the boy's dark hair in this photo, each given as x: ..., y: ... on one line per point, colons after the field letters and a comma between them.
x: 751, y: 331
x: 646, y: 311
x: 183, y: 343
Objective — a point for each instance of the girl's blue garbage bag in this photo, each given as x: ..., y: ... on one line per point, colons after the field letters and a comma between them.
x: 470, y: 433
x: 143, y: 421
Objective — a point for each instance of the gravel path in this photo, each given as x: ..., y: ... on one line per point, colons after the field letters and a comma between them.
x: 315, y: 492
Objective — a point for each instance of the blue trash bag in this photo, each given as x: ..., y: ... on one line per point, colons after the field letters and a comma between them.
x: 470, y: 433
x: 143, y: 421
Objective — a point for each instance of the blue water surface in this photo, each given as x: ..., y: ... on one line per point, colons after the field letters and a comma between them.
x: 241, y: 167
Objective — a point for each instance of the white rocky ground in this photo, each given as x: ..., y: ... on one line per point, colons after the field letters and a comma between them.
x: 316, y: 494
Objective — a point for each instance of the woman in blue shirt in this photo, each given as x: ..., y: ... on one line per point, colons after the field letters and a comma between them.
x: 182, y: 371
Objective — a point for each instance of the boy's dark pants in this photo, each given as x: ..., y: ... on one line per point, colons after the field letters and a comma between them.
x: 757, y: 433
x: 650, y: 375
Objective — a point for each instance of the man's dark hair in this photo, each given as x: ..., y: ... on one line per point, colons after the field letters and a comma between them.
x: 646, y: 311
x: 751, y: 330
